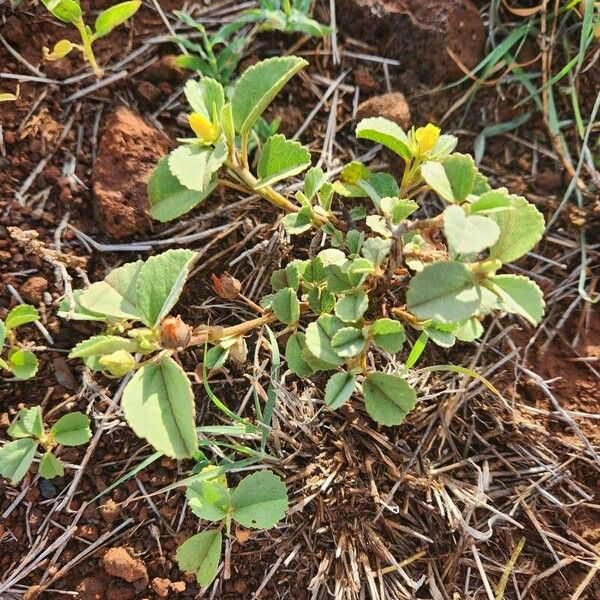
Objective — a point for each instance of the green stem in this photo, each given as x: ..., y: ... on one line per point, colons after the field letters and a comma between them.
x: 87, y: 48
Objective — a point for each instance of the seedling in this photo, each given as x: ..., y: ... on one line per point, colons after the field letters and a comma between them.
x: 69, y: 11
x: 22, y: 363
x: 29, y: 432
x: 259, y: 501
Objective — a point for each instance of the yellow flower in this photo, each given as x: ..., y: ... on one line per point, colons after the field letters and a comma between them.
x: 203, y: 128
x: 426, y: 138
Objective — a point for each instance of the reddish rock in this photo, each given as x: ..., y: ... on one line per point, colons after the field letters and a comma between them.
x: 129, y: 150
x: 91, y: 588
x: 417, y: 32
x: 33, y: 289
x: 119, y: 562
x: 161, y: 586
x: 364, y: 80
x: 391, y: 106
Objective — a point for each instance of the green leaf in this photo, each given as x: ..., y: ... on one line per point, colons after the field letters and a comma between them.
x: 50, y: 466
x: 468, y: 234
x: 158, y: 404
x: 492, y: 201
x: 388, y: 334
x: 358, y: 270
x: 348, y: 342
x: 314, y: 272
x: 115, y: 295
x: 194, y: 165
x: 20, y: 315
x: 259, y: 500
x: 28, y: 423
x: 314, y: 180
x: 67, y: 11
x: 318, y: 338
x: 444, y: 338
x: 200, y: 556
x: 519, y: 295
x: 520, y: 230
x: 332, y: 256
x: 286, y: 306
x: 379, y: 225
x: 338, y: 280
x: 444, y: 292
x: 2, y: 334
x: 453, y: 178
x: 257, y: 87
x: 79, y: 313
x: 354, y: 241
x: 352, y: 306
x: 388, y: 398
x: 206, y: 97
x: 23, y: 363
x: 293, y: 355
x: 279, y: 159
x: 16, y: 458
x: 469, y: 331
x: 208, y: 499
x: 160, y: 283
x: 299, y: 222
x: 286, y: 278
x: 320, y: 300
x: 99, y: 345
x: 339, y: 388
x: 114, y: 16
x: 385, y: 132
x: 168, y: 198
x: 398, y: 209
x: 216, y: 357
x: 73, y: 429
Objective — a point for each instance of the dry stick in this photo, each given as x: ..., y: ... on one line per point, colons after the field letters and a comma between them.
x: 95, y: 87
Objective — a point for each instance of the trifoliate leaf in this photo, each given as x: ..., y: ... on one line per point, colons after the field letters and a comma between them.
x: 257, y: 87
x: 385, y: 132
x: 318, y: 338
x: 16, y: 458
x: 168, y: 198
x: 339, y: 388
x: 358, y: 270
x: 194, y: 166
x: 388, y: 334
x: 200, y: 556
x: 388, y: 398
x: 73, y: 429
x: 445, y: 292
x: 259, y: 501
x: 293, y: 355
x: 352, y: 306
x: 314, y: 272
x: 468, y: 234
x: 114, y: 16
x: 23, y: 363
x: 20, y: 315
x: 348, y: 342
x: 50, y: 467
x: 160, y: 283
x: 286, y: 306
x: 158, y: 404
x: 397, y: 209
x: 338, y: 281
x: 279, y: 159
x: 115, y: 295
x: 520, y: 230
x: 519, y: 295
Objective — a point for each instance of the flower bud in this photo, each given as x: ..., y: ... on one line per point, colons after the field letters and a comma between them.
x: 203, y: 128
x: 226, y: 286
x: 118, y: 363
x: 426, y: 138
x: 174, y: 333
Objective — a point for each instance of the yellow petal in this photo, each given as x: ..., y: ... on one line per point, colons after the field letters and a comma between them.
x: 426, y: 137
x: 202, y: 127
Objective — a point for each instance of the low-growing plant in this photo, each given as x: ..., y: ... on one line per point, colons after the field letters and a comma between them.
x: 28, y: 432
x: 259, y: 501
x: 19, y: 361
x: 69, y: 11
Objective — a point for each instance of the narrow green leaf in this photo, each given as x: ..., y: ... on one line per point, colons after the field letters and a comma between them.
x: 73, y: 429
x: 200, y: 555
x: 20, y: 315
x: 114, y: 16
x: 339, y: 388
x: 257, y: 87
x: 279, y: 159
x: 158, y: 404
x: 388, y: 398
x: 519, y: 295
x: 259, y: 500
x: 286, y: 306
x: 160, y: 283
x: 416, y: 351
x: 444, y: 292
x: 50, y: 466
x: 16, y: 458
